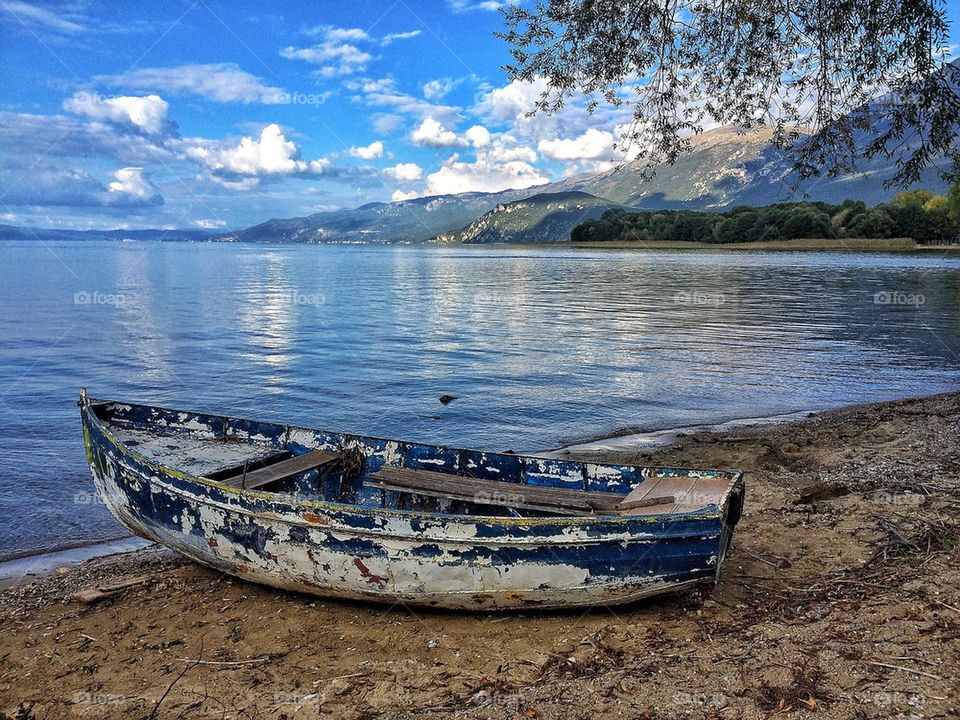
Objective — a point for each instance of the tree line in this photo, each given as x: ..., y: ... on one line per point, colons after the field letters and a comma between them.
x: 916, y: 214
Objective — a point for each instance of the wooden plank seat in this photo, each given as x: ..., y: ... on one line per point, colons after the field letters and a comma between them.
x: 675, y: 494
x: 490, y: 492
x: 253, y: 479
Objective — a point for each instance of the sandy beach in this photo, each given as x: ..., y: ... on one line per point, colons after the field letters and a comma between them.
x: 840, y: 599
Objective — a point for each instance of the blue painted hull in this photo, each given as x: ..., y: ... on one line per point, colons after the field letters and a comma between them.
x: 370, y: 548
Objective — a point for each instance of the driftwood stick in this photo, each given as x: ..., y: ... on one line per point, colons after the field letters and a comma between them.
x: 904, y: 669
x: 223, y: 662
x: 177, y: 679
x: 763, y: 560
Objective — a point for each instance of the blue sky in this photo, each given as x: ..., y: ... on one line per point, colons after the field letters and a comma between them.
x: 211, y: 114
x: 221, y: 115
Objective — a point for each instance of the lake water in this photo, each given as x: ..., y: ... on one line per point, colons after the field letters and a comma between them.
x: 541, y: 347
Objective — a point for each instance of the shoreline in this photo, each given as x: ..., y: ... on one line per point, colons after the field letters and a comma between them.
x: 616, y: 441
x: 25, y: 569
x: 898, y: 245
x: 840, y: 595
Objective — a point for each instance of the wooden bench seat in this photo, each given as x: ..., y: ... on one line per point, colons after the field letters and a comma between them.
x: 675, y: 494
x: 285, y: 468
x: 490, y: 492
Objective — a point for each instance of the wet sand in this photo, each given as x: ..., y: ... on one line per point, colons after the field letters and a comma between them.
x: 840, y: 599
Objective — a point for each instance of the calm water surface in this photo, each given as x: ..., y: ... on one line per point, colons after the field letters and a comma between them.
x: 540, y: 346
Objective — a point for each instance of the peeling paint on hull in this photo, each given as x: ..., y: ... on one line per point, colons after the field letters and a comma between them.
x: 366, y: 552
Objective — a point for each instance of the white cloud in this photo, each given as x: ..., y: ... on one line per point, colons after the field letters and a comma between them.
x: 593, y: 144
x: 33, y: 15
x: 400, y: 195
x: 512, y: 103
x: 501, y: 151
x: 386, y: 123
x: 331, y: 32
x: 404, y: 172
x: 482, y: 175
x: 431, y: 133
x: 439, y: 88
x: 147, y: 114
x: 220, y: 82
x: 367, y: 152
x: 337, y: 54
x: 383, y: 93
x: 460, y: 6
x: 132, y: 183
x: 478, y: 136
x: 209, y: 224
x: 270, y: 154
x: 75, y: 188
x: 393, y: 37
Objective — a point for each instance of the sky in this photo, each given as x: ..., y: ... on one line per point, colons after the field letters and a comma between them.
x: 220, y: 115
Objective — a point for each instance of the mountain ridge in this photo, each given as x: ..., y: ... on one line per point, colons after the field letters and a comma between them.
x: 726, y: 167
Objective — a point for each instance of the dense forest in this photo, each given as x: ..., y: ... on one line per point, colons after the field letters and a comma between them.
x: 916, y: 214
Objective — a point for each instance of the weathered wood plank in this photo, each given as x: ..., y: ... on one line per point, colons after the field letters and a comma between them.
x: 285, y: 468
x: 646, y: 502
x: 474, y: 498
x: 674, y: 494
x: 491, y: 492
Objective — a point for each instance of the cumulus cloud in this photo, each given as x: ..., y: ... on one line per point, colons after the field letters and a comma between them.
x: 593, y: 144
x: 431, y: 133
x: 512, y: 102
x: 147, y: 114
x: 503, y: 151
x: 404, y: 172
x: 483, y: 175
x: 478, y: 136
x: 219, y: 82
x: 132, y: 185
x: 367, y: 152
x: 401, y: 195
x: 270, y: 154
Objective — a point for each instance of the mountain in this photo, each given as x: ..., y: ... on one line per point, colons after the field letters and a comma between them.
x: 417, y: 220
x: 724, y: 168
x: 13, y: 232
x: 540, y: 218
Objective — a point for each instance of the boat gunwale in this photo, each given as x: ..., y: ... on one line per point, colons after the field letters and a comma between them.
x: 295, y: 504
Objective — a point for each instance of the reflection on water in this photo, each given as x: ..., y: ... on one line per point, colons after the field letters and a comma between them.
x: 539, y: 346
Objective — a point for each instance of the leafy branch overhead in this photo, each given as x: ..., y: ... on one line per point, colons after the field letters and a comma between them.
x: 837, y: 80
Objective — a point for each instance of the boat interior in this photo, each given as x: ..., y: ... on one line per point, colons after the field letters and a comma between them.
x: 372, y: 472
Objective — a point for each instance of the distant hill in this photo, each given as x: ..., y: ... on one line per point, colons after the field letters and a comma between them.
x: 541, y: 218
x: 417, y: 220
x: 14, y: 232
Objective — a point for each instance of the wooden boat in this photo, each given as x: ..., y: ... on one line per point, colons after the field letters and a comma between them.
x: 400, y: 522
